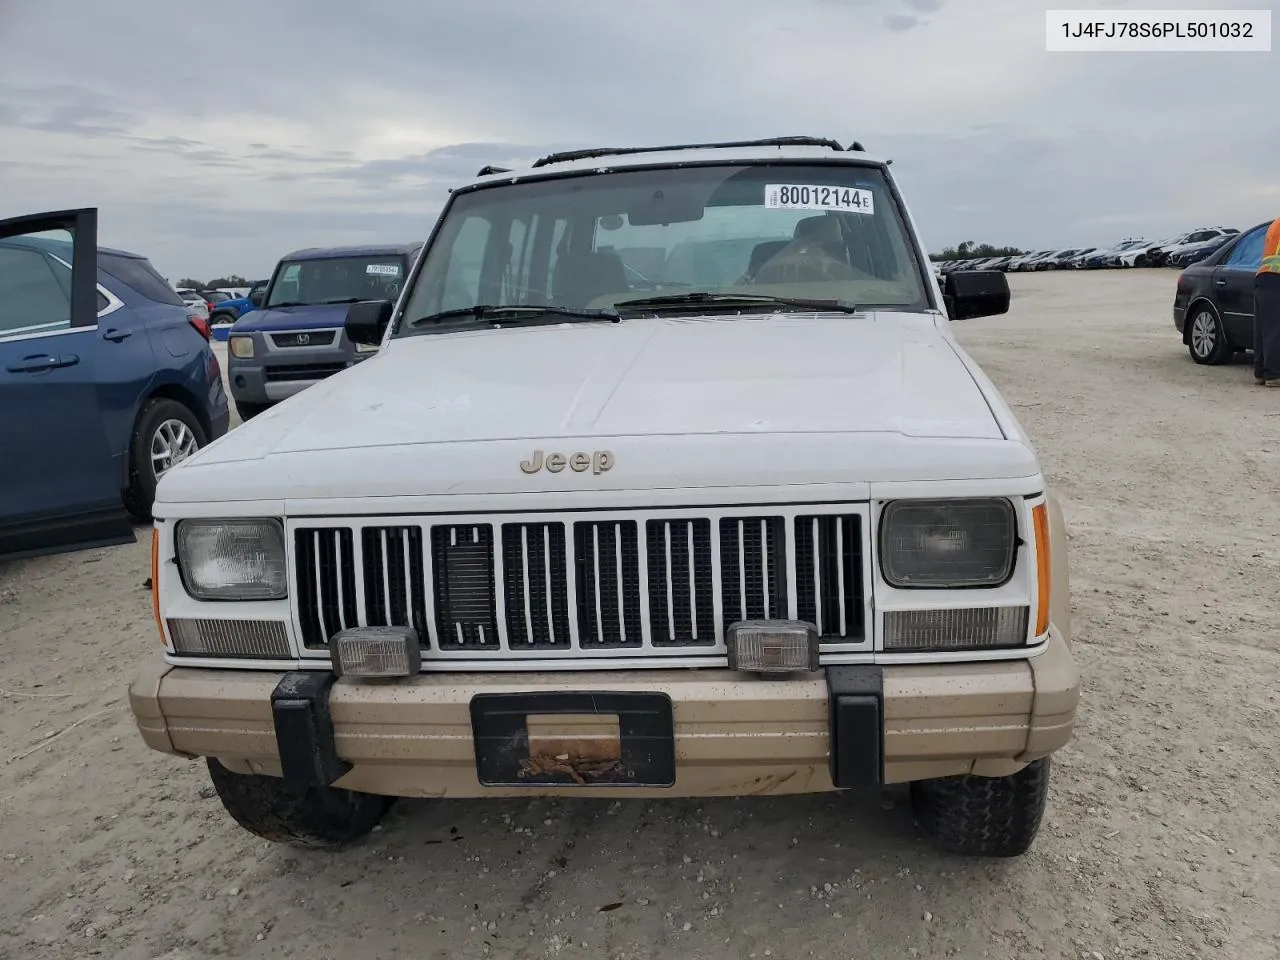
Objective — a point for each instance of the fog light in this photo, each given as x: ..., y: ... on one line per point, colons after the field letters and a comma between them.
x: 375, y: 652
x: 772, y: 646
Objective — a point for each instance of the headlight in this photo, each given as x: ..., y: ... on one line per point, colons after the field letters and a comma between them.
x: 242, y: 347
x: 948, y: 543
x: 232, y: 559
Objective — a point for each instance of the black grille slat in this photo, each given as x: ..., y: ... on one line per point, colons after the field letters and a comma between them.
x: 466, y: 615
x: 326, y: 589
x: 681, y: 593
x: 539, y: 617
x: 753, y: 568
x: 608, y: 581
x: 829, y: 575
x: 395, y: 589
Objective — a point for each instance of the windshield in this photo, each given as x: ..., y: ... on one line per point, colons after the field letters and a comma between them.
x: 337, y: 280
x: 820, y: 232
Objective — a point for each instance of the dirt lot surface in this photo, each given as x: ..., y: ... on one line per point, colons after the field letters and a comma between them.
x: 1160, y: 840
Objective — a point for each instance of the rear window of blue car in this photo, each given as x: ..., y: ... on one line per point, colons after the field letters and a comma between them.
x: 141, y: 276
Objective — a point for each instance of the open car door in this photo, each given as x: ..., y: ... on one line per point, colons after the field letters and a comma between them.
x: 59, y: 484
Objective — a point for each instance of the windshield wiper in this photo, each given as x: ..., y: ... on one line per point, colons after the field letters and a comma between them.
x: 516, y: 311
x: 285, y: 303
x: 343, y: 300
x: 742, y: 299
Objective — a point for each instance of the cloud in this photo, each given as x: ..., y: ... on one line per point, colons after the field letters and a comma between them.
x: 337, y: 123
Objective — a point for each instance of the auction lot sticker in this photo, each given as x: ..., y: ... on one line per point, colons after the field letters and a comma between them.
x: 800, y: 196
x: 383, y: 269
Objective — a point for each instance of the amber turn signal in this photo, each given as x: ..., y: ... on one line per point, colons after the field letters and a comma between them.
x: 1040, y: 520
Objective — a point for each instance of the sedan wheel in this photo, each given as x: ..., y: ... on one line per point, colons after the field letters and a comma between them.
x: 1207, y: 341
x: 166, y: 433
x: 172, y: 443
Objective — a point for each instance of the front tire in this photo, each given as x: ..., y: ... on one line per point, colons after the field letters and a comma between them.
x: 166, y: 433
x: 1206, y: 338
x: 310, y: 817
x: 983, y: 816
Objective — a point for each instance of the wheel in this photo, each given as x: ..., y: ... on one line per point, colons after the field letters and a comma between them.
x: 225, y: 316
x: 165, y: 434
x: 312, y: 817
x: 1206, y: 339
x: 983, y: 816
x: 248, y: 410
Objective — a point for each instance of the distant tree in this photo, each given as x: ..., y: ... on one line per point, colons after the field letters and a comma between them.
x: 188, y: 283
x: 233, y: 280
x: 971, y: 251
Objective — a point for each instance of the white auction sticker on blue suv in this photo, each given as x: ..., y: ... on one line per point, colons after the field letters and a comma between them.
x: 800, y: 196
x: 383, y: 269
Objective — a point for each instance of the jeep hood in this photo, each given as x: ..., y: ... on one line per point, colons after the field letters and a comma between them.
x: 461, y: 410
x: 293, y: 318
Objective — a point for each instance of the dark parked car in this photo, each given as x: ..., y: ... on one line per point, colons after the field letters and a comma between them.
x: 1213, y: 305
x: 1157, y: 255
x: 294, y: 337
x: 1194, y: 252
x: 106, y: 381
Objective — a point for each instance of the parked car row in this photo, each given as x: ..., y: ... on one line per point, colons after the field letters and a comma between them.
x: 1178, y: 251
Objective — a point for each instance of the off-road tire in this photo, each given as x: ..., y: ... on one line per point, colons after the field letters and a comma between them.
x: 222, y: 316
x: 983, y: 816
x: 310, y: 817
x: 248, y: 410
x: 140, y: 494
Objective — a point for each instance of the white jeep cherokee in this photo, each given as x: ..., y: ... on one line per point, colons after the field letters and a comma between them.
x: 668, y: 479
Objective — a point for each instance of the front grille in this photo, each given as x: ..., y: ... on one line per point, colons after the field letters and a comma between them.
x: 304, y: 338
x: 583, y: 585
x: 301, y: 371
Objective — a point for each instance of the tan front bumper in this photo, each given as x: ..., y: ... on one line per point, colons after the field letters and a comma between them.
x: 735, y: 735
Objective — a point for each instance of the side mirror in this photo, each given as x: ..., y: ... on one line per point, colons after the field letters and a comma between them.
x: 976, y: 293
x: 256, y: 297
x: 367, y: 321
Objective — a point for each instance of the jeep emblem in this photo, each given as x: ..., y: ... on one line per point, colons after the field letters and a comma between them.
x: 599, y: 461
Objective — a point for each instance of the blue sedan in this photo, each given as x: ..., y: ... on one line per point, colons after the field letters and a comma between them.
x: 106, y: 382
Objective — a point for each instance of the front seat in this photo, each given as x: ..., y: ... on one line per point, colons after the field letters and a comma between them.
x: 761, y: 253
x: 816, y: 254
x: 579, y: 279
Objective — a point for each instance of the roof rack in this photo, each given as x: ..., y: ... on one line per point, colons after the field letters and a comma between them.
x: 770, y: 142
x: 490, y: 168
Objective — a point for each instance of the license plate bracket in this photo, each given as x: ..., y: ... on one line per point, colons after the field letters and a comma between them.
x: 646, y: 740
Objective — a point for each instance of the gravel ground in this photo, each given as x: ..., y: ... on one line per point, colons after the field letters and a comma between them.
x: 1160, y: 839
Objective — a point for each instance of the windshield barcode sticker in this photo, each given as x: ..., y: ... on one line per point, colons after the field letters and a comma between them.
x: 791, y: 196
x: 383, y: 269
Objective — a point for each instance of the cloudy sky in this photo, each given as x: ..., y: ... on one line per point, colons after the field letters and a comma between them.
x: 215, y: 137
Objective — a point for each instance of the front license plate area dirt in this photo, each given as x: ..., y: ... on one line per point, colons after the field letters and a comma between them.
x: 574, y: 739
